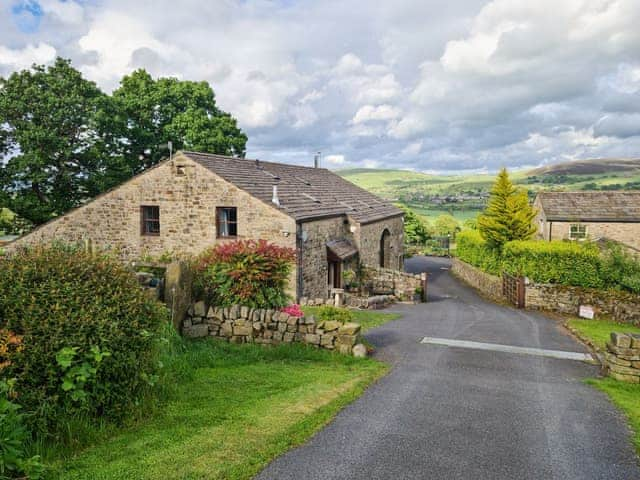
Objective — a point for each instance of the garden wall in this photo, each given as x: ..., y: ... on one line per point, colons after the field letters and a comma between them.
x: 239, y: 324
x: 388, y: 281
x: 622, y: 307
x: 490, y: 285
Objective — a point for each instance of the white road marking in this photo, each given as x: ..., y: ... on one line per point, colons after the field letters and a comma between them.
x: 494, y: 347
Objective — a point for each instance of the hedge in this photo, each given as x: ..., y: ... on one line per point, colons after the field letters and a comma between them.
x: 88, y: 334
x: 565, y: 263
x: 473, y: 249
x: 560, y: 262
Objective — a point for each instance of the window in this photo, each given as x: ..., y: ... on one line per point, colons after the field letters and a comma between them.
x: 150, y: 219
x: 227, y: 222
x: 578, y: 232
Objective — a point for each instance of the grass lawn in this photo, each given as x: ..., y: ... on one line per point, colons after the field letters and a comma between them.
x: 599, y: 331
x: 626, y: 396
x: 230, y: 411
x: 366, y: 318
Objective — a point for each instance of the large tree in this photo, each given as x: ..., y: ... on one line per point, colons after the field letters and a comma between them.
x: 416, y: 229
x: 150, y: 113
x: 49, y: 141
x: 508, y: 215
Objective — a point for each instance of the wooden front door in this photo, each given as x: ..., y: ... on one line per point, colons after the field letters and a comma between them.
x: 334, y: 275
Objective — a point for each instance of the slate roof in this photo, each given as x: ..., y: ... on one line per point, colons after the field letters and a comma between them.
x: 305, y: 193
x: 341, y: 249
x: 591, y: 206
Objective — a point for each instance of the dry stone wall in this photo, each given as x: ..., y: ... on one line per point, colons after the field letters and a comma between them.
x: 239, y: 324
x: 386, y: 281
x: 622, y: 359
x: 490, y: 285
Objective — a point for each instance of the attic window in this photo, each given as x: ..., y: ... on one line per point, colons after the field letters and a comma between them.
x: 226, y: 222
x: 578, y: 232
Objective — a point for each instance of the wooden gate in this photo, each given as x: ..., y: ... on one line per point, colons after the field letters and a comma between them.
x: 513, y: 289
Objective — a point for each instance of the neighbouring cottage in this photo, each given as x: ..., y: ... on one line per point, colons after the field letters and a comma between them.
x: 589, y: 215
x: 195, y: 200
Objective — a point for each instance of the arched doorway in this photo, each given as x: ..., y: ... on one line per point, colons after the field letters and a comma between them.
x: 385, y: 249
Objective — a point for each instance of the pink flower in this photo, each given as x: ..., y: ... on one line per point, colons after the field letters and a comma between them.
x: 294, y: 310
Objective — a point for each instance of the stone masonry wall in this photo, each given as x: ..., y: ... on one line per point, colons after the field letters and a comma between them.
x: 622, y: 359
x: 622, y: 307
x: 490, y: 285
x: 187, y: 215
x: 314, y: 254
x: 387, y: 281
x: 239, y: 324
x: 627, y: 233
x: 368, y: 242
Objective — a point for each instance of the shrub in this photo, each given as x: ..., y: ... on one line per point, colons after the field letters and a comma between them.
x: 250, y: 273
x: 294, y: 310
x: 14, y: 462
x: 620, y: 267
x: 63, y: 300
x: 473, y: 249
x: 328, y: 312
x: 566, y: 263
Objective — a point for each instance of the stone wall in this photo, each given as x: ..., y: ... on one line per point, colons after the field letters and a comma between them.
x: 368, y: 237
x: 386, y: 281
x: 490, y: 285
x: 622, y: 359
x: 271, y: 327
x: 187, y: 214
x: 622, y: 307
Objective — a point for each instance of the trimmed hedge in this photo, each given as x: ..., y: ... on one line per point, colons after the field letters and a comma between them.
x: 88, y: 334
x: 473, y: 249
x: 559, y: 262
x: 565, y: 263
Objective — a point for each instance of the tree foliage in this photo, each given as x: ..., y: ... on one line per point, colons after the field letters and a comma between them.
x: 62, y: 140
x: 446, y: 224
x: 416, y: 229
x: 508, y: 216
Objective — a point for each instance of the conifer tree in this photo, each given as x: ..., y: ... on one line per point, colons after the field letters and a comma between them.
x: 508, y: 216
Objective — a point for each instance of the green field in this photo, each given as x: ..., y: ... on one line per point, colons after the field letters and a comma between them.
x: 432, y: 213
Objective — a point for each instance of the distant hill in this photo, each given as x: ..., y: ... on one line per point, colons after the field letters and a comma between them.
x: 465, y: 195
x: 588, y: 167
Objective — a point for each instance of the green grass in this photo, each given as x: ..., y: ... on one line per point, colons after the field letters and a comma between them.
x: 366, y: 318
x: 599, y: 331
x: 231, y: 409
x: 626, y: 396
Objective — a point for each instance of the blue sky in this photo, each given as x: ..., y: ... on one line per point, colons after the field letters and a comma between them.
x: 463, y: 85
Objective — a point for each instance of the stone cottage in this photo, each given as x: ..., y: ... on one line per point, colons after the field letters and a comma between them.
x: 195, y: 200
x: 589, y: 215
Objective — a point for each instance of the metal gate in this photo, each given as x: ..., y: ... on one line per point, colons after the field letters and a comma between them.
x: 513, y: 289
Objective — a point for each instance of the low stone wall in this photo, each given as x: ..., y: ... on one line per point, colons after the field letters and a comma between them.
x: 622, y: 307
x: 490, y: 285
x: 371, y: 303
x: 386, y: 281
x: 239, y: 324
x: 622, y: 359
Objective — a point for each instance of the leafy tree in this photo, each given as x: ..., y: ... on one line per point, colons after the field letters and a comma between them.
x: 508, y: 215
x: 445, y: 224
x: 149, y: 113
x: 49, y: 140
x: 471, y: 223
x: 416, y: 228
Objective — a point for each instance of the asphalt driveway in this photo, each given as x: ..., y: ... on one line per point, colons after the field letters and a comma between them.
x: 460, y: 413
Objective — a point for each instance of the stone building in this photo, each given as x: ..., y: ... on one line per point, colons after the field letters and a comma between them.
x: 589, y: 215
x: 194, y: 200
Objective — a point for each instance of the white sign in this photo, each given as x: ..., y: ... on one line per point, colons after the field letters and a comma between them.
x: 586, y: 311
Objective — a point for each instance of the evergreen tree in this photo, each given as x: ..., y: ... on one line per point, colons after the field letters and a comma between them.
x: 416, y: 229
x: 508, y: 216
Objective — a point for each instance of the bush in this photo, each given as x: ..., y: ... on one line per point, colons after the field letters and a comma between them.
x: 566, y: 263
x: 250, y: 273
x: 328, y: 312
x: 82, y: 319
x: 473, y: 249
x: 620, y: 267
x: 14, y: 462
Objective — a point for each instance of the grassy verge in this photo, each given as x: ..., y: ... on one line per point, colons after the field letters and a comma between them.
x: 626, y: 396
x: 230, y: 410
x: 599, y: 331
x: 366, y: 318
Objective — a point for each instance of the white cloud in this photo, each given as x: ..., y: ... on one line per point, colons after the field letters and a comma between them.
x: 335, y: 159
x: 369, y: 113
x: 18, y: 59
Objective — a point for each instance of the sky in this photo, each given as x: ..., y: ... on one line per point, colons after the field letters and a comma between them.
x: 433, y: 86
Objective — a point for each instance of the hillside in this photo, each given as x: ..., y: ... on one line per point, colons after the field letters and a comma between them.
x: 465, y: 195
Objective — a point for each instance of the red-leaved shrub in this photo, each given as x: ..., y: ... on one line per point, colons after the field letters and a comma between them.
x: 294, y: 310
x: 247, y: 272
